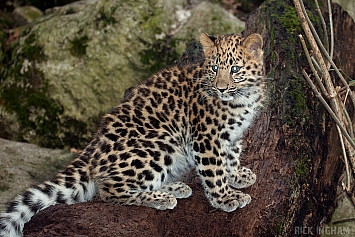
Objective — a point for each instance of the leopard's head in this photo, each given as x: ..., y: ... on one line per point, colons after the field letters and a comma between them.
x: 232, y: 64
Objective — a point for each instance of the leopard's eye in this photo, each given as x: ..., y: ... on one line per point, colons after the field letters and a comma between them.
x: 235, y: 69
x: 215, y: 68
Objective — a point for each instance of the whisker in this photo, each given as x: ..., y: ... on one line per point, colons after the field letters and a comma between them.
x: 241, y: 97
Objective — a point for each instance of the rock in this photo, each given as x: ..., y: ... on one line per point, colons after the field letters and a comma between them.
x: 72, y: 66
x: 348, y: 6
x: 22, y: 165
x: 342, y: 223
x: 26, y: 14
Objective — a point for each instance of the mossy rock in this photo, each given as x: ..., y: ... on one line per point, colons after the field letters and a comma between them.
x: 70, y: 67
x: 26, y: 14
x: 348, y: 6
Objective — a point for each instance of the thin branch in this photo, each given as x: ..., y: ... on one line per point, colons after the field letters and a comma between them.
x: 333, y: 99
x: 337, y: 115
x: 320, y: 84
x: 316, y: 65
x: 345, y: 83
x: 311, y: 27
x: 330, y: 111
x: 347, y: 188
x: 315, y: 73
x: 308, y: 28
x: 323, y: 25
x: 310, y: 37
x: 331, y: 30
x: 351, y: 129
x: 343, y: 220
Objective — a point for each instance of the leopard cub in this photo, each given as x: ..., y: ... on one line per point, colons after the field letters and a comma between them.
x: 181, y: 118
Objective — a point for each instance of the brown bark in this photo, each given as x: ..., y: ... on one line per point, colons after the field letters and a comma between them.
x: 292, y: 147
x: 301, y: 136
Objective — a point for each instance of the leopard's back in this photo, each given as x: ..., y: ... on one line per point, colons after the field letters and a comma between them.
x: 147, y: 138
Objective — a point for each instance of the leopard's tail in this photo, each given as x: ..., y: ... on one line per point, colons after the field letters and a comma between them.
x: 72, y: 185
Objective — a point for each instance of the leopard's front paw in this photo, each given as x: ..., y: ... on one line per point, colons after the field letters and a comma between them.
x: 242, y: 178
x: 161, y: 201
x: 178, y: 189
x: 235, y: 199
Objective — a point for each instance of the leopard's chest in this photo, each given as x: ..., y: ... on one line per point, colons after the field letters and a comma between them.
x: 234, y: 126
x: 229, y: 122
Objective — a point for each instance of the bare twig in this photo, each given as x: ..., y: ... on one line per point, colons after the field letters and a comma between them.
x: 348, y: 176
x: 308, y: 28
x: 351, y: 129
x: 331, y: 30
x: 343, y: 220
x: 326, y: 76
x: 327, y: 107
x: 310, y: 37
x: 326, y: 43
x: 316, y: 64
x: 310, y: 62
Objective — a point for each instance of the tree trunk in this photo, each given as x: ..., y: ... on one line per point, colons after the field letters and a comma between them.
x: 292, y: 147
x: 297, y: 148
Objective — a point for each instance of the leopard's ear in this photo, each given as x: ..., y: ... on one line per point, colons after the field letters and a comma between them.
x: 254, y: 44
x: 207, y: 43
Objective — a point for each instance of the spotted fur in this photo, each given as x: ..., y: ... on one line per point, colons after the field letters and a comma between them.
x: 179, y: 119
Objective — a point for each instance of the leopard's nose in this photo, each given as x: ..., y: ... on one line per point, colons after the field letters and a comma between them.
x: 222, y: 89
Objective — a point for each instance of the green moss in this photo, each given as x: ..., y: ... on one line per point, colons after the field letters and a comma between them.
x: 150, y: 20
x: 286, y: 15
x: 293, y: 99
x: 299, y: 99
x: 278, y: 228
x: 302, y: 168
x: 34, y: 14
x: 288, y: 19
x: 25, y: 93
x: 296, y: 101
x: 105, y: 17
x: 35, y: 112
x: 223, y: 27
x: 30, y: 50
x: 79, y: 45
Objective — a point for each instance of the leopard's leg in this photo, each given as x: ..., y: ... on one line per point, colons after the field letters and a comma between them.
x: 238, y: 176
x: 162, y: 199
x: 120, y: 191
x: 178, y: 189
x: 214, y: 177
x: 141, y: 189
